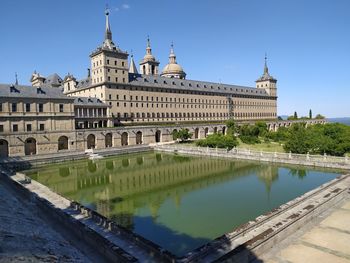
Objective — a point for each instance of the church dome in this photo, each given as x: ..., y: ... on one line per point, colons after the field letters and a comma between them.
x: 172, y: 69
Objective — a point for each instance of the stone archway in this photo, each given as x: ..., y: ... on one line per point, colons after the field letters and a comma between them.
x: 108, y: 140
x: 125, y: 139
x: 4, y: 149
x: 30, y: 146
x: 196, y: 133
x: 91, y: 144
x: 224, y: 130
x: 139, y: 137
x: 63, y: 143
x: 158, y: 136
x: 215, y: 130
x: 206, y: 130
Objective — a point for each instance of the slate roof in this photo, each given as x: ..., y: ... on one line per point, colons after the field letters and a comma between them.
x: 53, y: 80
x: 21, y: 91
x: 194, y: 85
x: 89, y: 101
x: 84, y: 83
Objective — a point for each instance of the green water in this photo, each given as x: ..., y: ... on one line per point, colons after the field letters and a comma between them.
x: 178, y: 202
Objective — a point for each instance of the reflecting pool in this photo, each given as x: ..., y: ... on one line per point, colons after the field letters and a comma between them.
x: 179, y: 202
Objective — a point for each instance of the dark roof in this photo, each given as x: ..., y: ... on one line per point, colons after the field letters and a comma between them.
x: 89, y: 101
x: 20, y: 91
x: 84, y: 83
x: 53, y: 80
x: 183, y: 84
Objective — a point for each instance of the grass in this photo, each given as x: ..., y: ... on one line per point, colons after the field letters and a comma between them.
x: 263, y: 146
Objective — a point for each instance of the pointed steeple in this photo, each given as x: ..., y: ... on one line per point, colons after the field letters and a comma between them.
x: 266, y: 69
x: 172, y: 56
x: 149, y: 65
x: 16, y: 83
x: 108, y: 32
x: 148, y: 49
x: 133, y: 68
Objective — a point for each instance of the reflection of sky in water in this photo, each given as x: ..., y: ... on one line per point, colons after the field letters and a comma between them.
x: 179, y: 202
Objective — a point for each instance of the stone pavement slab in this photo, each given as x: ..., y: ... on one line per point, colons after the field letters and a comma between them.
x: 301, y: 254
x: 328, y: 241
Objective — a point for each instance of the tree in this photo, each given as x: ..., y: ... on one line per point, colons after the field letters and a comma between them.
x: 295, y: 115
x: 231, y: 127
x: 310, y: 114
x: 319, y: 116
x: 183, y: 134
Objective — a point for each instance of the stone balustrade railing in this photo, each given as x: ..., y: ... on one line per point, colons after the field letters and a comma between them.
x: 238, y: 153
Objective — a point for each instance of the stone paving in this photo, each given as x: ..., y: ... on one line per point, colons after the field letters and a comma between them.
x: 24, y: 237
x: 328, y: 241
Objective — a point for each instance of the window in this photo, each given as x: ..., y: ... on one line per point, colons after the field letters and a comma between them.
x: 61, y: 107
x: 15, y: 127
x: 123, y: 64
x: 108, y: 61
x: 14, y: 107
x: 40, y: 107
x: 0, y: 107
x: 29, y: 127
x: 41, y: 126
x: 1, y: 128
x: 27, y: 107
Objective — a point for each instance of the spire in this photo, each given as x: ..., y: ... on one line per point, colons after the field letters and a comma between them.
x: 108, y: 33
x: 266, y: 69
x: 172, y: 56
x: 132, y: 68
x: 16, y: 79
x: 148, y: 49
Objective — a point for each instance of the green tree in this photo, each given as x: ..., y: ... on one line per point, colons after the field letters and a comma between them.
x: 319, y: 116
x: 232, y: 128
x: 310, y: 114
x: 218, y: 140
x: 295, y: 115
x: 183, y: 134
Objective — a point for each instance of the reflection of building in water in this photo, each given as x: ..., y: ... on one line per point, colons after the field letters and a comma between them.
x: 268, y: 175
x: 121, y: 185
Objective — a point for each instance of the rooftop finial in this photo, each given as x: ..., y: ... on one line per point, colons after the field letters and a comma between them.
x: 148, y: 41
x: 266, y: 69
x: 108, y: 33
x: 16, y: 78
x: 172, y: 57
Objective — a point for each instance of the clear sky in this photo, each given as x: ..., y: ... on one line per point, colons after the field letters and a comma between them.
x: 307, y: 42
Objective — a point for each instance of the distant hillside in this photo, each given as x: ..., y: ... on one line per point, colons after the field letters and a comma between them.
x: 340, y: 120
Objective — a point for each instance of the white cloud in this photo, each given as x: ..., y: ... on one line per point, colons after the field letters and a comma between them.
x: 116, y: 9
x: 125, y: 6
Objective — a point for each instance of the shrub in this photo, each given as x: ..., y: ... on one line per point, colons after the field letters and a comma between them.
x: 218, y: 140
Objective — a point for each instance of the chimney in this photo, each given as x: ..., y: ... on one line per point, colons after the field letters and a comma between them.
x: 88, y: 73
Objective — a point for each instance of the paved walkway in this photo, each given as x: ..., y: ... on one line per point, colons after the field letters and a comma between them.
x: 24, y: 237
x: 328, y: 241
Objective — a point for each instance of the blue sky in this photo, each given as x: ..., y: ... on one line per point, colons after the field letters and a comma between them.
x: 307, y: 42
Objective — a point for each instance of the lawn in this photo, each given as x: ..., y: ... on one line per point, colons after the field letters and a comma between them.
x: 265, y: 147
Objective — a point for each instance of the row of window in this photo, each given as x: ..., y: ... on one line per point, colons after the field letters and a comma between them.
x: 28, y: 127
x: 151, y: 98
x: 152, y: 105
x: 97, y: 63
x: 100, y: 79
x: 171, y: 115
x: 28, y: 107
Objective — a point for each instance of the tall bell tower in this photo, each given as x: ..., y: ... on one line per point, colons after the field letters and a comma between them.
x: 108, y: 62
x: 149, y: 65
x: 267, y: 82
